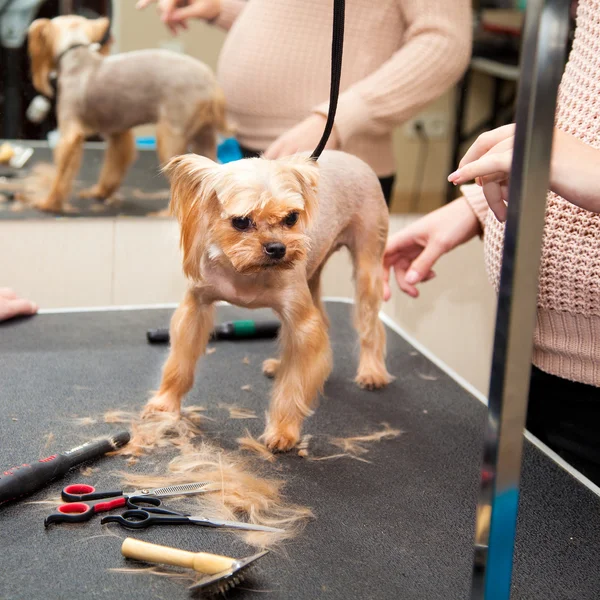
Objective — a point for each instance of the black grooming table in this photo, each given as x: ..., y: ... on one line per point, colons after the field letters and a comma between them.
x: 401, y: 526
x: 144, y: 191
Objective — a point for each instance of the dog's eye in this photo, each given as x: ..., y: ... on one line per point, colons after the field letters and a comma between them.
x: 241, y: 223
x: 291, y: 219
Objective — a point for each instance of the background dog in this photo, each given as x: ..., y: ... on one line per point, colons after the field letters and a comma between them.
x: 109, y: 95
x: 257, y: 233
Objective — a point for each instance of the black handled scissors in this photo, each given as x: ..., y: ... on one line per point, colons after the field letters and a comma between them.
x: 78, y: 512
x: 142, y: 518
x: 84, y: 501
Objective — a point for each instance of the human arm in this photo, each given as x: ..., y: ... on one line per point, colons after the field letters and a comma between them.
x: 175, y: 13
x: 435, y: 51
x: 574, y: 169
x: 436, y: 47
x: 414, y: 250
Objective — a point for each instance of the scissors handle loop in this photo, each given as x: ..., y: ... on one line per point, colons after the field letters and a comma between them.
x: 78, y: 512
x: 140, y: 519
x: 140, y: 502
x: 81, y: 492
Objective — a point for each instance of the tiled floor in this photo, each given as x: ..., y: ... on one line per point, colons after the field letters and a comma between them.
x: 84, y: 262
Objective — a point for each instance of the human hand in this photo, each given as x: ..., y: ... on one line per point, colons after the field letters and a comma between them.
x: 414, y: 250
x: 488, y: 162
x: 573, y: 169
x: 11, y: 305
x: 304, y: 136
x: 175, y: 13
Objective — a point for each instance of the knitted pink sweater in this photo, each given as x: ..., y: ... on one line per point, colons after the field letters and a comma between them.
x: 567, y: 337
x: 399, y: 55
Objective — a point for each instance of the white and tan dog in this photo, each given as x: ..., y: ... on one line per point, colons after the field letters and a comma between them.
x: 257, y: 233
x: 111, y: 95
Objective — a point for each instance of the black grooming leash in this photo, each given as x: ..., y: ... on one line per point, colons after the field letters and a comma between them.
x: 337, y: 48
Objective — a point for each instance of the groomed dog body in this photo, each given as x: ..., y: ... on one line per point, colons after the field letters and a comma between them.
x: 111, y: 95
x: 257, y: 233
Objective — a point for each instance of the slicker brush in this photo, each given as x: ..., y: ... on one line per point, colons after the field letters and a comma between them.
x: 222, y: 572
x: 219, y: 583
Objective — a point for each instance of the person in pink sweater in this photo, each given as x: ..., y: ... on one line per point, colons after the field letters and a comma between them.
x: 564, y: 397
x: 274, y: 68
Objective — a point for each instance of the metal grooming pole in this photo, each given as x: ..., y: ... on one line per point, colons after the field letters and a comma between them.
x: 542, y: 64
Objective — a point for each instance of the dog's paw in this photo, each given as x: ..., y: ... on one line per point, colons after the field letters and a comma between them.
x: 373, y: 379
x: 160, y: 404
x: 93, y: 193
x: 69, y: 209
x: 49, y: 205
x: 270, y: 367
x: 281, y: 439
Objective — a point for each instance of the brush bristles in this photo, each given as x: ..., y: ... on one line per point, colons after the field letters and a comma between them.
x: 227, y: 583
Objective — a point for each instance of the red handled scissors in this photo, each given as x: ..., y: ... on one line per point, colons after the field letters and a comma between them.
x: 83, y: 501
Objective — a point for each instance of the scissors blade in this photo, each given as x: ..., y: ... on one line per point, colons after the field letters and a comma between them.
x: 234, y: 525
x: 185, y: 489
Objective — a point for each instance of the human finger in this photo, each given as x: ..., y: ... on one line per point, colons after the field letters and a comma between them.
x: 141, y: 4
x: 194, y: 10
x: 401, y: 243
x: 406, y: 287
x: 486, y: 141
x: 18, y: 306
x: 280, y: 148
x: 493, y: 194
x: 421, y: 266
x: 492, y: 164
x: 272, y: 151
x: 167, y: 6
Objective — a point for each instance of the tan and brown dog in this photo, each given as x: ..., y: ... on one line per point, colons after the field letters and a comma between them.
x: 257, y: 233
x: 109, y: 95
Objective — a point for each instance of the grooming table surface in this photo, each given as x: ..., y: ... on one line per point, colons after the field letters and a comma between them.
x: 401, y: 526
x: 144, y: 190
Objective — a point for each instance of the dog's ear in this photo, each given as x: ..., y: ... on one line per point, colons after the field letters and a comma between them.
x: 41, y: 46
x: 97, y: 30
x: 192, y: 192
x: 306, y: 172
x: 190, y: 176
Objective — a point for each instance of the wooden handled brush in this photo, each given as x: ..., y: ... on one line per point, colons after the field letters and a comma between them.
x: 199, y: 561
x: 223, y: 572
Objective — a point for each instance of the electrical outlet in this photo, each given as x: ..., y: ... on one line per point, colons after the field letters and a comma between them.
x: 433, y: 125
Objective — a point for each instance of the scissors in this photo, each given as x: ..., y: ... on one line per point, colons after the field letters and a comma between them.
x: 141, y: 518
x: 83, y: 501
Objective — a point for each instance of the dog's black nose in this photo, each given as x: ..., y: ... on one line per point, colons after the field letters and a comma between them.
x: 275, y: 250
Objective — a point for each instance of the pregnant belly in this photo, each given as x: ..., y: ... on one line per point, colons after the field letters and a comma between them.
x: 266, y: 75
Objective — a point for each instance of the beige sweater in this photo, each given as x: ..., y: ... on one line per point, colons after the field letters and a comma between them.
x: 399, y: 55
x: 567, y: 336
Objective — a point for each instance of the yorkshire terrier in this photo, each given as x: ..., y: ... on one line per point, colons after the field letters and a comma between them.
x: 257, y: 233
x: 109, y: 95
